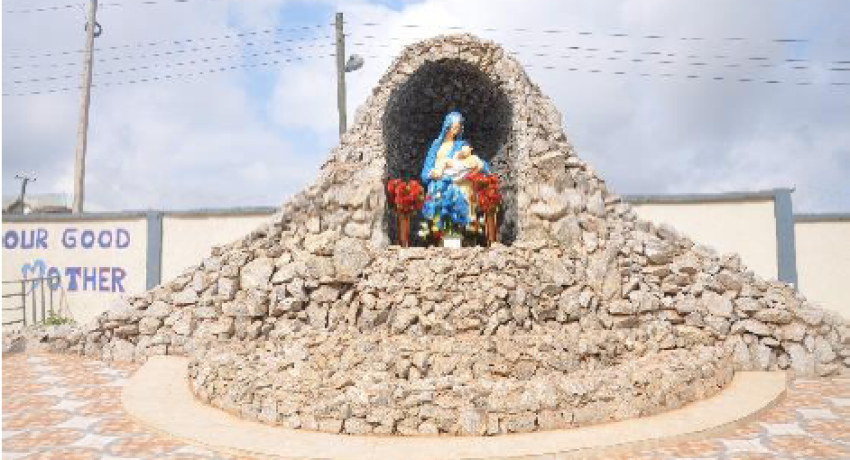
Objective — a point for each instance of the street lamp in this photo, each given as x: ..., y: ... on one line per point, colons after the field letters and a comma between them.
x: 355, y: 62
x: 342, y: 67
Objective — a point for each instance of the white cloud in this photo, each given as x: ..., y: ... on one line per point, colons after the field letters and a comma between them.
x: 212, y: 141
x: 196, y: 141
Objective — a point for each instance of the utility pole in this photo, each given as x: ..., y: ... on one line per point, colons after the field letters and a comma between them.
x: 340, y: 74
x: 92, y: 31
x: 24, y: 181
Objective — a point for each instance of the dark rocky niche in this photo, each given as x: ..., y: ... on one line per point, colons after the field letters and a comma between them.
x: 414, y: 116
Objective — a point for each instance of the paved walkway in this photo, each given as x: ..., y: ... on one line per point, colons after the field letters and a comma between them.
x: 63, y: 407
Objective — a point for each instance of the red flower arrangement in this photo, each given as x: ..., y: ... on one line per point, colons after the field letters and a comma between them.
x: 407, y: 197
x: 487, y: 192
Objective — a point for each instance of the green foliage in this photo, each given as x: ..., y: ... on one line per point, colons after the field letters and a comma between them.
x: 55, y: 319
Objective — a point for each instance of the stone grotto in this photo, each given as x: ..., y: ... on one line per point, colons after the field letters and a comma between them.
x: 585, y: 314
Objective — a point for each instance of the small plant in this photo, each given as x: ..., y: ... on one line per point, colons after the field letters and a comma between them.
x: 407, y: 197
x: 55, y: 319
x: 487, y: 192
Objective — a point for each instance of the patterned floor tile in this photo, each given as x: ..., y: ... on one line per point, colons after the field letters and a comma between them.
x: 24, y: 402
x: 66, y: 453
x: 745, y: 446
x: 838, y: 430
x: 35, y: 419
x: 778, y: 429
x: 144, y: 446
x: 95, y: 441
x: 809, y: 447
x: 79, y: 422
x: 68, y: 407
x: 751, y: 430
x: 118, y: 426
x: 101, y: 407
x: 751, y: 456
x: 814, y: 414
x: 692, y: 449
x: 31, y: 440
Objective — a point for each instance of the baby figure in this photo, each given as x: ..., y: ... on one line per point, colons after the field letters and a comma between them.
x: 456, y: 169
x: 462, y: 164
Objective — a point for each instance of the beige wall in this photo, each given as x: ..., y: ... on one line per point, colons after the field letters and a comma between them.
x: 823, y: 263
x: 92, y: 275
x: 744, y: 227
x: 187, y: 239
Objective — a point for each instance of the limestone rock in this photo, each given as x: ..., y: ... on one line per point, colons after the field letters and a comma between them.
x: 123, y: 350
x: 753, y: 326
x: 595, y: 205
x: 774, y: 315
x: 185, y: 297
x: 351, y: 257
x: 256, y: 274
x: 159, y: 310
x: 149, y: 325
x: 717, y: 305
x: 802, y: 362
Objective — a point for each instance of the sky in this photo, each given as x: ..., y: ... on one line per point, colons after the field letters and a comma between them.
x: 650, y: 91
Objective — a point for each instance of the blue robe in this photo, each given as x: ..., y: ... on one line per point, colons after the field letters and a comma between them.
x: 443, y: 199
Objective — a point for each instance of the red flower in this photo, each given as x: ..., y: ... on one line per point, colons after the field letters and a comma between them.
x: 407, y: 197
x: 486, y: 191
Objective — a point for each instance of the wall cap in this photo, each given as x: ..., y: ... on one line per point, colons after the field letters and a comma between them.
x: 823, y: 217
x: 113, y: 215
x: 754, y: 195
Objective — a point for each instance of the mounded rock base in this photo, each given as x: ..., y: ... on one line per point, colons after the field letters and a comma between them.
x: 157, y: 396
x: 591, y: 314
x: 456, y: 386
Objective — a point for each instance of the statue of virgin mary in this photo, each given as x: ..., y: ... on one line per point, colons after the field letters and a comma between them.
x: 445, y: 200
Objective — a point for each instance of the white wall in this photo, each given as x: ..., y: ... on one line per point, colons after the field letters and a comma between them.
x: 747, y: 227
x: 823, y: 263
x: 187, y: 239
x: 744, y: 227
x: 98, y: 260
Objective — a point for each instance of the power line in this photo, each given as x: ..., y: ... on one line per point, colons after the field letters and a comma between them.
x: 190, y: 40
x: 54, y: 8
x: 761, y: 61
x: 172, y: 51
x: 42, y: 9
x: 592, y: 70
x: 165, y: 65
x: 585, y: 33
x: 166, y: 77
x: 665, y: 74
x: 154, y: 2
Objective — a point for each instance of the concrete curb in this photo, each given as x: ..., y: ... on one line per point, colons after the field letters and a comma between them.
x: 158, y: 396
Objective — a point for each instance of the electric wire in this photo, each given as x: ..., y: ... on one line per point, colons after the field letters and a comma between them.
x: 166, y: 65
x: 189, y: 40
x: 585, y: 33
x: 759, y: 60
x: 172, y: 52
x: 165, y: 77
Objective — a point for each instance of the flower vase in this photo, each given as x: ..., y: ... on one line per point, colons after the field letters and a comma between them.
x: 490, y: 230
x: 403, y: 229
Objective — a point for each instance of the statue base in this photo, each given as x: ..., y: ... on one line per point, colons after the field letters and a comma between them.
x: 452, y: 242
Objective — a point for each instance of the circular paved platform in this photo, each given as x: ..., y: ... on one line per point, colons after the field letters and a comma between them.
x: 69, y: 408
x: 65, y: 407
x: 158, y: 395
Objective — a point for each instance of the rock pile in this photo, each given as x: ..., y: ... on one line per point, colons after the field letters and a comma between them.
x: 312, y: 321
x: 369, y: 384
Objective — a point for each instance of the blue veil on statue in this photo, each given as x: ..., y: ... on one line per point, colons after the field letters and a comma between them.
x: 443, y: 198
